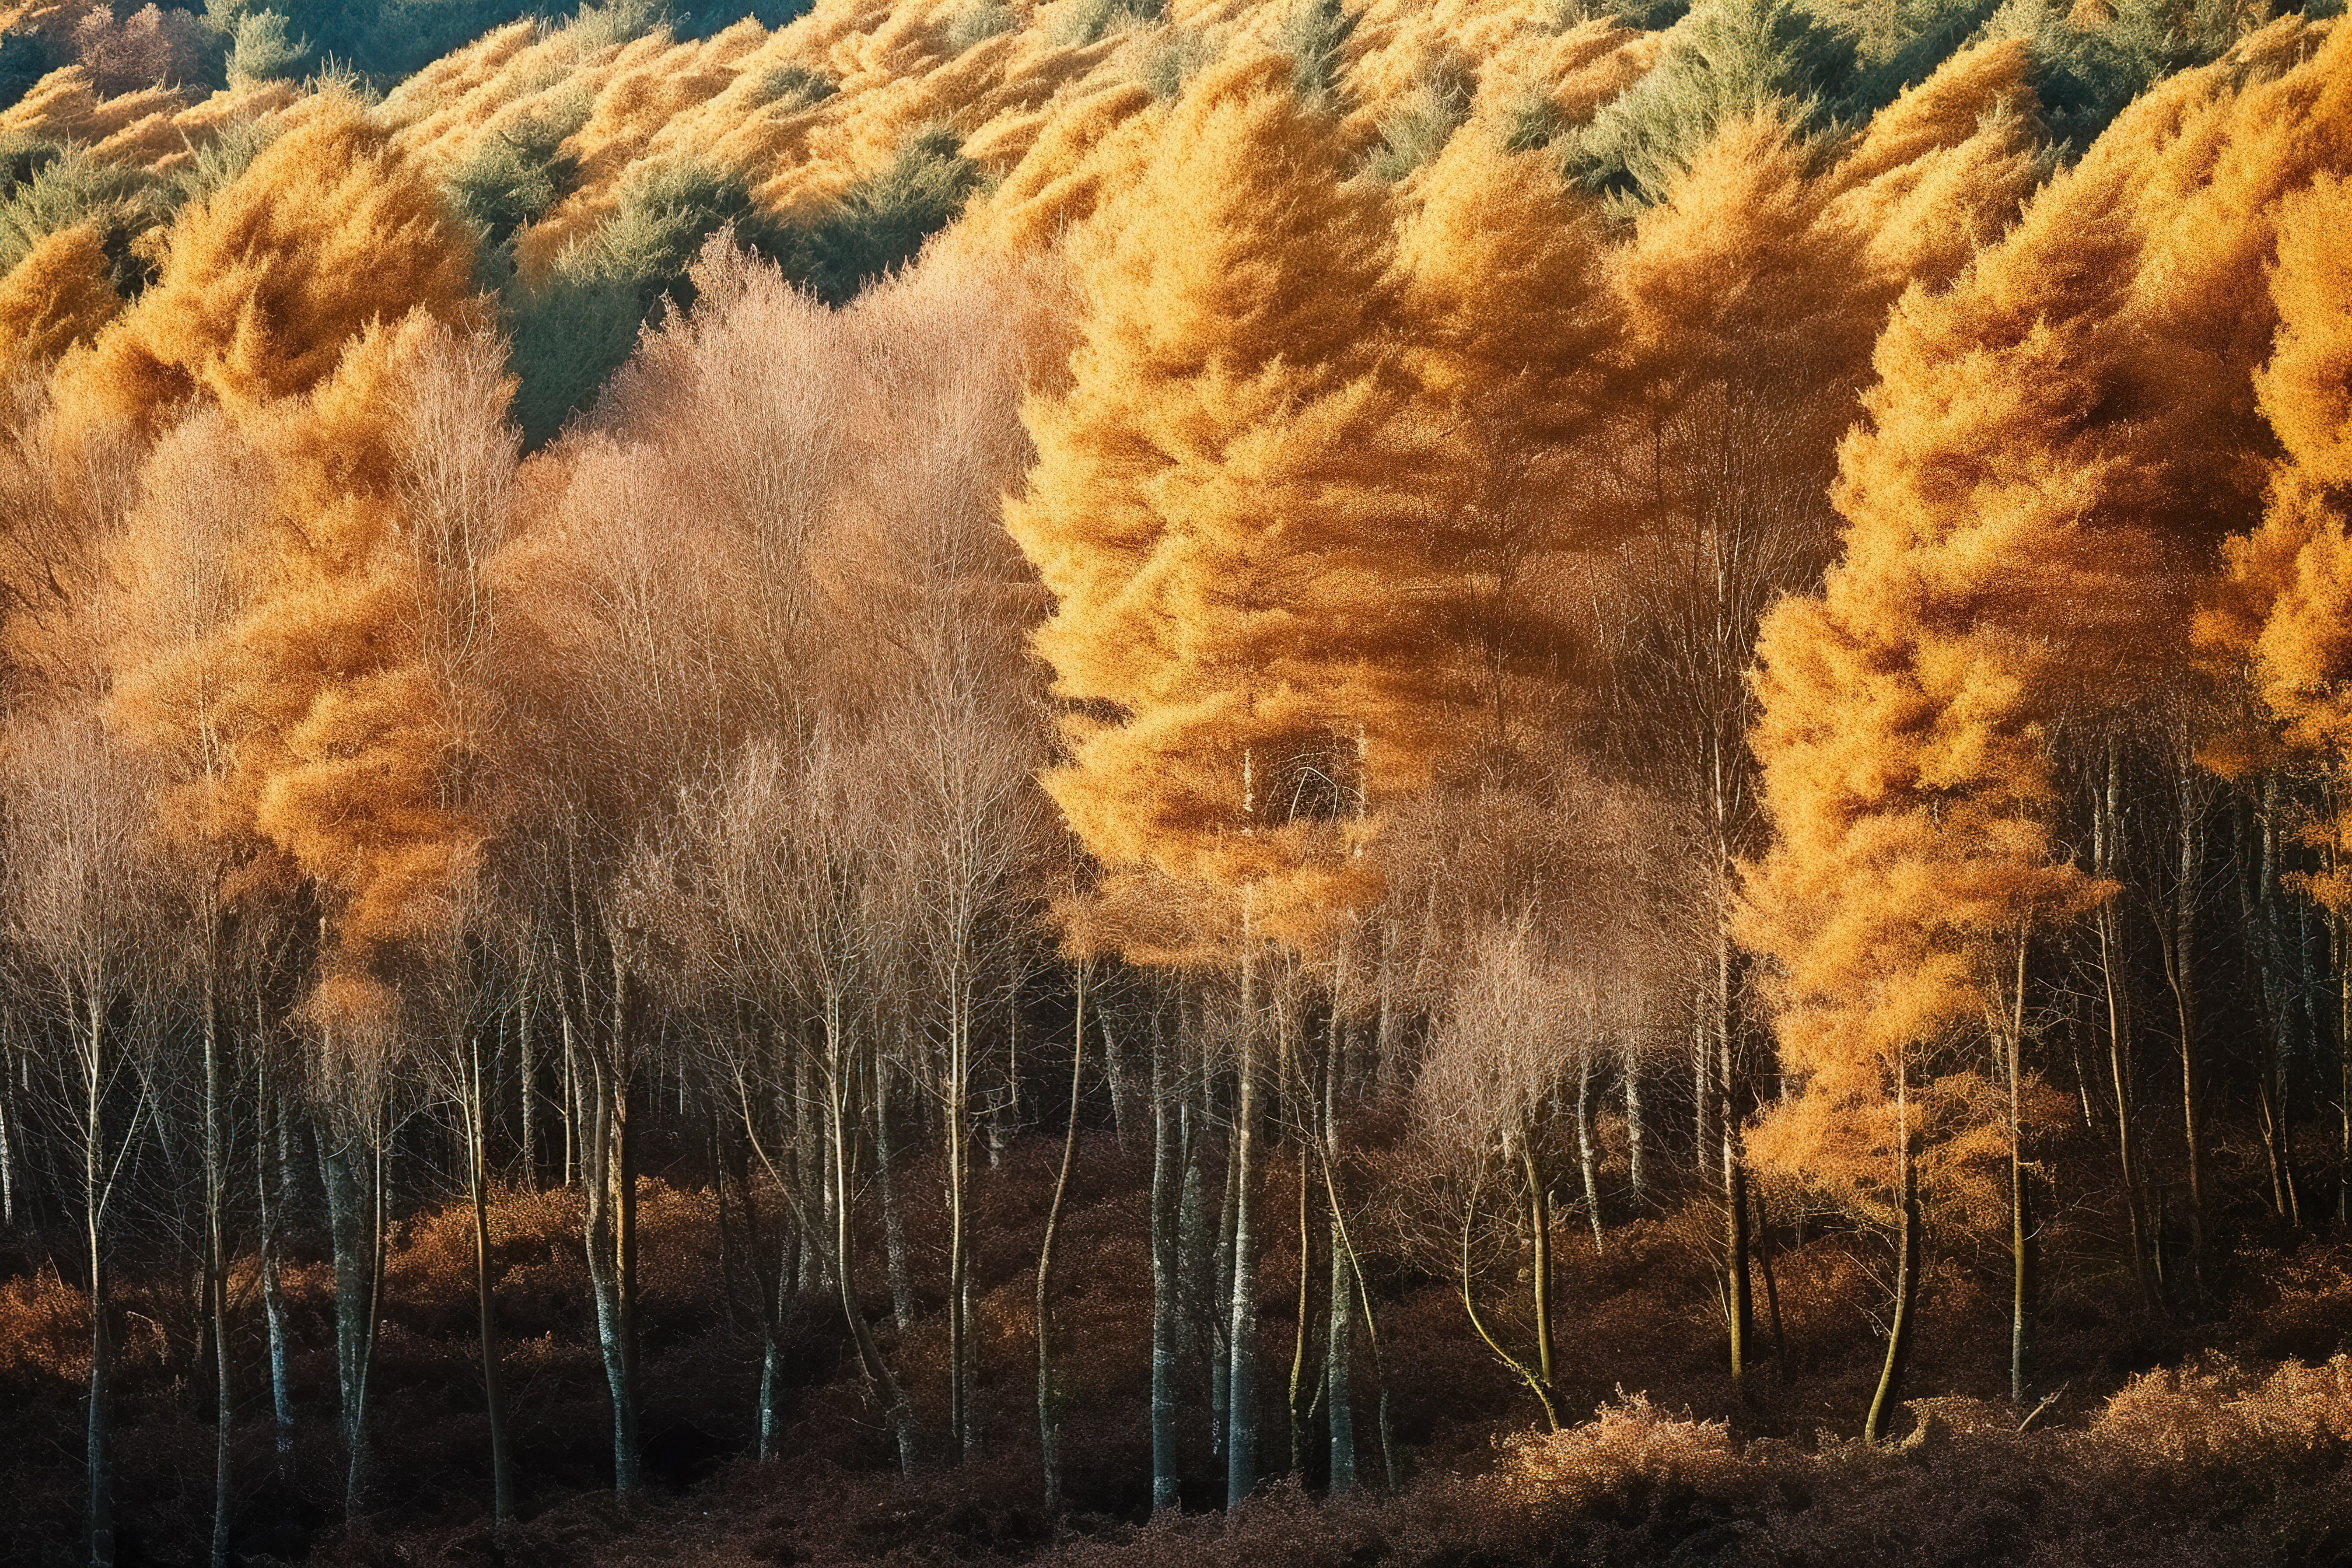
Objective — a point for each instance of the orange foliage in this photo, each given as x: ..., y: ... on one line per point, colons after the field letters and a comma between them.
x: 263, y: 285
x: 1216, y: 507
x: 60, y: 294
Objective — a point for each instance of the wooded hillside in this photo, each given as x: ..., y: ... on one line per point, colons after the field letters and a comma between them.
x: 1160, y: 757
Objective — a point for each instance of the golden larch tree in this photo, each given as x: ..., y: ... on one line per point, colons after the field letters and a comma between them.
x: 1224, y: 507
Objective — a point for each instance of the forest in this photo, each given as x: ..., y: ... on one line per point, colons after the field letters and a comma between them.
x: 1150, y: 782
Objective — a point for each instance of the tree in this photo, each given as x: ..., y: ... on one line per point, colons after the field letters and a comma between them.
x: 1219, y: 511
x: 2026, y: 508
x: 59, y: 294
x: 81, y: 894
x: 2302, y: 657
x: 263, y: 283
x: 1746, y: 322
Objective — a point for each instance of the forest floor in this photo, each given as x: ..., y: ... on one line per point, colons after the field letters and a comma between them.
x: 2216, y: 1435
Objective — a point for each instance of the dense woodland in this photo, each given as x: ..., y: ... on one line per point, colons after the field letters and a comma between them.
x: 958, y: 779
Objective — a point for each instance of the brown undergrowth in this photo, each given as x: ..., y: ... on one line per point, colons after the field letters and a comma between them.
x: 2215, y: 1436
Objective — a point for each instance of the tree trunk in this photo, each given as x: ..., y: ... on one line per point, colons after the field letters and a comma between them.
x: 1540, y: 1270
x: 526, y: 1067
x: 1338, y: 1329
x: 2344, y: 1071
x: 603, y: 1182
x: 277, y: 1136
x: 1221, y: 1353
x: 1048, y: 1421
x: 1907, y: 1268
x: 2021, y: 1229
x: 1588, y: 1156
x: 958, y: 1264
x: 809, y: 1144
x: 8, y: 1141
x: 217, y: 1266
x: 1771, y: 1286
x: 351, y: 1203
x: 2106, y: 857
x: 2260, y: 906
x: 2178, y: 945
x: 1739, y: 1303
x: 1636, y: 1161
x: 894, y: 1214
x: 572, y: 1100
x: 99, y: 1430
x: 883, y: 1382
x: 1702, y: 1088
x: 1298, y: 1394
x: 1167, y: 1237
x: 1240, y: 1378
x: 485, y: 1304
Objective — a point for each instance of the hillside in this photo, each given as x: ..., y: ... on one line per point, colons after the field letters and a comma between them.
x: 1115, y: 782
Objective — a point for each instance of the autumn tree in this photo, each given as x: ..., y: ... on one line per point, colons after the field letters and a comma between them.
x: 2024, y: 526
x: 83, y: 899
x: 1217, y: 510
x: 2299, y: 552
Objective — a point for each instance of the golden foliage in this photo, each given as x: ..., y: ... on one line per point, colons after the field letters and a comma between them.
x: 263, y: 285
x: 2299, y: 560
x: 60, y: 294
x: 1215, y: 508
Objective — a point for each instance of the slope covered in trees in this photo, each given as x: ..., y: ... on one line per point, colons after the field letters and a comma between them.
x: 984, y: 775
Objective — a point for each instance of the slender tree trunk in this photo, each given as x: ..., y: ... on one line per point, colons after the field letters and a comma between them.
x: 351, y: 1205
x: 527, y: 1067
x: 809, y: 1144
x: 2107, y: 857
x: 1739, y: 1303
x: 838, y: 1137
x: 958, y: 1265
x: 2344, y: 1071
x: 1907, y: 1268
x: 570, y: 1100
x: 894, y: 1214
x: 1771, y: 1286
x: 2021, y: 1228
x: 1529, y: 1375
x: 770, y: 1272
x: 2178, y: 947
x: 1588, y: 1153
x: 1703, y: 1092
x: 217, y: 1263
x: 1167, y: 1237
x: 2272, y: 1102
x: 277, y: 1136
x: 1241, y: 1379
x: 7, y: 1139
x: 1338, y: 1329
x: 1540, y: 1269
x: 604, y: 1139
x: 1637, y: 1150
x: 1220, y: 1315
x: 98, y: 1429
x: 1298, y: 1393
x: 485, y: 1302
x: 1048, y: 1421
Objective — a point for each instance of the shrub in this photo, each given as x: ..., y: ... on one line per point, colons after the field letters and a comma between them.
x: 1312, y: 36
x: 981, y: 20
x: 1418, y: 131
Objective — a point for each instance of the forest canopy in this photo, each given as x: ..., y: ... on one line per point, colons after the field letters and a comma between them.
x: 1175, y: 754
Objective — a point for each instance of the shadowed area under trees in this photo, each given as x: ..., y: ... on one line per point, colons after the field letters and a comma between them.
x: 1273, y: 783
